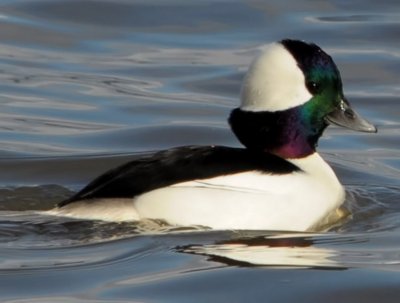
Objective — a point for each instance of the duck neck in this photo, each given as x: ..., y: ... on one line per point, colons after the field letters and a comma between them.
x: 288, y: 134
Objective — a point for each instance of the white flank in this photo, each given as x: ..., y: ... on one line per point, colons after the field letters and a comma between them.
x: 250, y: 200
x: 274, y: 82
x: 99, y: 209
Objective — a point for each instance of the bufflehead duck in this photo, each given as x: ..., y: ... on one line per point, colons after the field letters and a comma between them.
x: 291, y: 93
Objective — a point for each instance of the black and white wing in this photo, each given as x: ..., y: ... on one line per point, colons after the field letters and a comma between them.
x: 177, y: 165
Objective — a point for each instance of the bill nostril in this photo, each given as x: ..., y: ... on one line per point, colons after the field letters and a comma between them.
x: 349, y: 113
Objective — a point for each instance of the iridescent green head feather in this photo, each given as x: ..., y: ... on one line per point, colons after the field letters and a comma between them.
x: 290, y: 94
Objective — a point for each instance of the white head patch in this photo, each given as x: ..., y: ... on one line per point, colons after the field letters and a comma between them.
x: 274, y: 82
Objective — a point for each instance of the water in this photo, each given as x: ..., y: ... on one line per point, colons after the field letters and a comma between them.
x: 87, y: 85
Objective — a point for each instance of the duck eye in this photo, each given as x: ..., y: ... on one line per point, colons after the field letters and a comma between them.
x: 313, y: 87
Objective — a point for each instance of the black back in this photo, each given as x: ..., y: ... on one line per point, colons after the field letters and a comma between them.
x: 176, y: 165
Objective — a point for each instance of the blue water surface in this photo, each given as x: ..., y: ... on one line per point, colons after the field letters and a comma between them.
x: 87, y: 85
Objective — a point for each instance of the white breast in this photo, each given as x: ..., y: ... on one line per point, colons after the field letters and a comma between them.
x: 250, y: 200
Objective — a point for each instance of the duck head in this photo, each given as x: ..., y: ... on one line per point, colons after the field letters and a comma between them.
x: 290, y: 94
